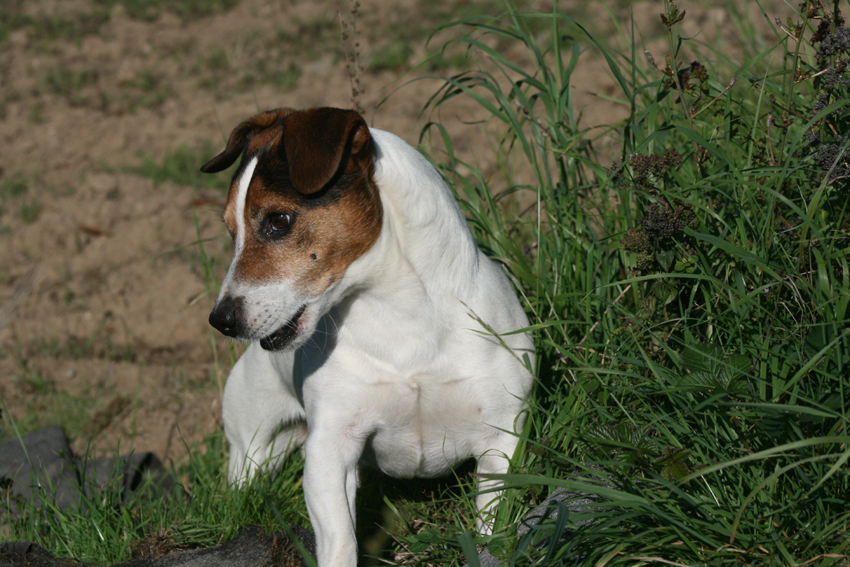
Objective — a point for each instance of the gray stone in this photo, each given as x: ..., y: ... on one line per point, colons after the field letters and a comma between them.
x: 126, y: 475
x: 40, y: 464
x: 24, y: 554
x: 252, y: 547
x: 40, y: 467
x: 562, y: 499
x: 486, y: 559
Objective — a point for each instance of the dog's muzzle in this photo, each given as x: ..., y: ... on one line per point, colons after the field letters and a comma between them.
x: 283, y: 336
x: 228, y: 318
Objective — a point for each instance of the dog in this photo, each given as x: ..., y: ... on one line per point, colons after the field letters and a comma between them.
x: 379, y: 332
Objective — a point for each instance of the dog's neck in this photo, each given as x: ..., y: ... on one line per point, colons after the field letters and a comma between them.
x: 423, y: 225
x: 426, y: 222
x: 420, y: 272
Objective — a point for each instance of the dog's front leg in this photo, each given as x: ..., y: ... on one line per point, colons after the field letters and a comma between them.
x: 330, y: 486
x: 263, y: 419
x: 495, y: 460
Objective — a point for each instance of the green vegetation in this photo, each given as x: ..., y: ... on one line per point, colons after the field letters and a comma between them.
x: 391, y: 56
x: 205, y: 513
x: 46, y: 28
x: 690, y: 299
x: 285, y: 78
x: 689, y: 296
x: 147, y: 90
x: 314, y: 38
x: 13, y: 188
x: 50, y: 405
x: 30, y: 211
x: 150, y: 10
x: 182, y: 167
x: 68, y: 83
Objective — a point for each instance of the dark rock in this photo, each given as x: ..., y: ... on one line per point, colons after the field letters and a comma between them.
x: 560, y: 501
x: 252, y: 547
x: 23, y: 554
x: 126, y: 475
x: 40, y: 464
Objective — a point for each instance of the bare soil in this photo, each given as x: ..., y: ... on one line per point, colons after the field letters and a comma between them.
x: 104, y: 288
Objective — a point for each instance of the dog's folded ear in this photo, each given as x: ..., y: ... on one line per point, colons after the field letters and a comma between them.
x: 316, y: 141
x: 240, y: 137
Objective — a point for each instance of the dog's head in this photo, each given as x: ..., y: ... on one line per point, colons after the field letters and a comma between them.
x: 302, y: 207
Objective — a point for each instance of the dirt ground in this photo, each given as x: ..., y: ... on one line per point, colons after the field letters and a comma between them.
x: 107, y: 109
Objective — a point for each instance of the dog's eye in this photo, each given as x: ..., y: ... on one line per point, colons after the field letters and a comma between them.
x: 279, y: 223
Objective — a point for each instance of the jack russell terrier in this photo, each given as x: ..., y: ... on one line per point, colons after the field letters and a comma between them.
x: 379, y: 331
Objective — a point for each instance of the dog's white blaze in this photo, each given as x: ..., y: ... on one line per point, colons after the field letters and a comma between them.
x: 241, y: 196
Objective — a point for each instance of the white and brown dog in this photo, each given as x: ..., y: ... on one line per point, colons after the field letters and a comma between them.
x: 363, y: 294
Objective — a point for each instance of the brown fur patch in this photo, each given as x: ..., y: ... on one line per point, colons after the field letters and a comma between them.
x: 336, y: 234
x: 330, y: 229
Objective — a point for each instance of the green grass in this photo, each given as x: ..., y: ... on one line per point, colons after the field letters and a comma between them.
x: 46, y: 28
x: 391, y: 56
x: 690, y: 306
x: 48, y: 404
x: 181, y: 166
x: 201, y: 511
x: 688, y: 296
x: 30, y: 211
x: 13, y: 188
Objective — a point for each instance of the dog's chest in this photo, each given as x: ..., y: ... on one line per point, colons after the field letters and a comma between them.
x: 422, y: 425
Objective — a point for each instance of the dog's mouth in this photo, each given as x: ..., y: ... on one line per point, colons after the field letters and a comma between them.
x: 283, y: 336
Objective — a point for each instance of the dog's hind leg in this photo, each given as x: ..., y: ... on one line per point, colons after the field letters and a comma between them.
x: 263, y: 419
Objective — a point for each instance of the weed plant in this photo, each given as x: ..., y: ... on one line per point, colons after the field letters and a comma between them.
x: 689, y: 300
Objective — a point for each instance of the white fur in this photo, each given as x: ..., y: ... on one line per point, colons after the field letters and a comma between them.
x: 241, y: 195
x: 393, y: 360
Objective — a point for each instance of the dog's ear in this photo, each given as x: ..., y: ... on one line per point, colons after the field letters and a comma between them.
x: 316, y: 142
x: 240, y: 137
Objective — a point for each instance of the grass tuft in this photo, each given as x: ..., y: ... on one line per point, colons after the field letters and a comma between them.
x: 689, y: 299
x: 181, y: 167
x: 201, y: 511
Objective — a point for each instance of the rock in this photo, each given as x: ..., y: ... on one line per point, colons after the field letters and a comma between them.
x: 24, y: 554
x: 42, y: 464
x: 561, y: 500
x: 252, y: 547
x: 126, y: 475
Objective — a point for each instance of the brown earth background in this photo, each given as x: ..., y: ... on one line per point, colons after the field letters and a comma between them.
x: 108, y: 108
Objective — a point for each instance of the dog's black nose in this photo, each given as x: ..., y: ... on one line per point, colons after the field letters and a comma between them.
x: 227, y: 315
